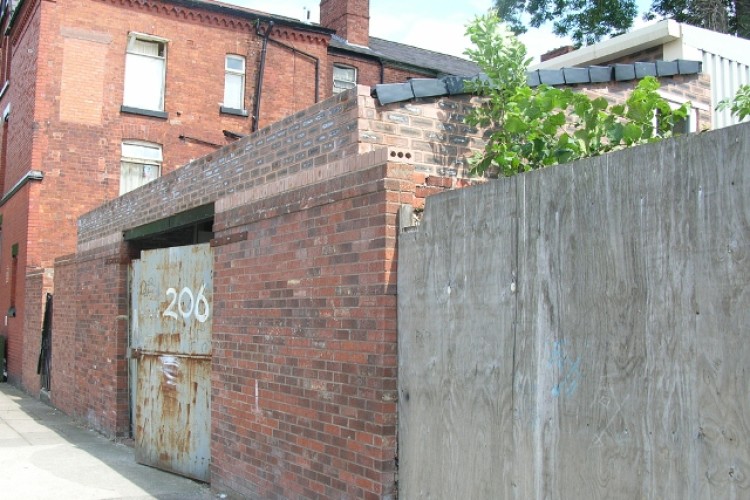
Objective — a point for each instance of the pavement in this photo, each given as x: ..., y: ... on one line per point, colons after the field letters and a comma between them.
x: 44, y: 455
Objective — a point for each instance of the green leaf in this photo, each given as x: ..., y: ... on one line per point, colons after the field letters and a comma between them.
x: 514, y: 125
x: 599, y: 104
x: 631, y: 133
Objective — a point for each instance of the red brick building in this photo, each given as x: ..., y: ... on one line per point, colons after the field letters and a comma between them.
x: 100, y: 97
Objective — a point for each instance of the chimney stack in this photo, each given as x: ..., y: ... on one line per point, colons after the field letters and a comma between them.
x: 350, y: 19
x: 556, y: 53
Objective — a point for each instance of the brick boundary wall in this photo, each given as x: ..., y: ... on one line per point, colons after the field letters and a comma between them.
x: 33, y: 298
x: 340, y: 127
x: 677, y: 89
x: 64, y: 314
x: 90, y: 339
x: 305, y: 301
x: 305, y: 313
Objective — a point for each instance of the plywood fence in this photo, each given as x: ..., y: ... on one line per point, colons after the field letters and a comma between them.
x: 582, y: 332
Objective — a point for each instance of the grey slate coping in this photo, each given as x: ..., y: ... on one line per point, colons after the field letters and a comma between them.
x: 454, y: 85
x: 576, y: 75
x: 624, y: 72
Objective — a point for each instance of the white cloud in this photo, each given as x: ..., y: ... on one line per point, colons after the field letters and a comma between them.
x: 438, y: 26
x: 434, y: 34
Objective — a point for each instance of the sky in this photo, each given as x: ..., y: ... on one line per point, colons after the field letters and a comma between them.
x: 437, y: 25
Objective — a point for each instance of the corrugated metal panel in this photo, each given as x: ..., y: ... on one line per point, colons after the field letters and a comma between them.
x: 726, y: 78
x: 171, y: 307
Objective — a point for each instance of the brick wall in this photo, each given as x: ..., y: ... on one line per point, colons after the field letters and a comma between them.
x: 428, y: 134
x: 90, y: 338
x: 368, y: 71
x: 32, y: 322
x: 82, y: 140
x: 350, y: 19
x: 12, y: 328
x: 316, y: 324
x: 678, y: 89
x: 313, y: 332
x: 21, y: 94
x: 64, y: 382
x: 289, y: 79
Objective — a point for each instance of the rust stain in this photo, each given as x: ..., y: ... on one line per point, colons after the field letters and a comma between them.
x: 173, y: 389
x: 168, y: 342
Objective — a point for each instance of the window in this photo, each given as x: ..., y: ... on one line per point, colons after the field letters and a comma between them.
x: 6, y: 55
x: 344, y: 78
x: 145, y: 65
x: 234, y: 84
x: 6, y: 7
x: 691, y: 123
x: 4, y: 147
x: 140, y: 164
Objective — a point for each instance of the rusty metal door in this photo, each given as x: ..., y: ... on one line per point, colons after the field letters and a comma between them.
x: 171, y: 308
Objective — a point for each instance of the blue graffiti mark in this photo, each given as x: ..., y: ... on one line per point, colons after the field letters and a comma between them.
x: 569, y: 370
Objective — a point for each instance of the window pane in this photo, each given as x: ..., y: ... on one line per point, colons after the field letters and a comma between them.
x: 342, y: 73
x: 344, y: 78
x: 235, y: 63
x: 141, y: 163
x: 135, y: 175
x: 145, y: 152
x: 146, y: 47
x: 233, y: 91
x: 144, y: 82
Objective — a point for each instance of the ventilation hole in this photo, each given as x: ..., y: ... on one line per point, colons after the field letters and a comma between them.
x: 408, y: 156
x: 400, y: 154
x: 393, y: 153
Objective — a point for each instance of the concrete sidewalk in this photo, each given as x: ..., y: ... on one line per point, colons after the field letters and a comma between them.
x: 45, y: 455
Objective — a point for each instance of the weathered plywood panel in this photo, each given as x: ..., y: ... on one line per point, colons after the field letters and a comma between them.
x: 455, y: 377
x: 626, y: 334
x: 721, y: 310
x: 605, y: 264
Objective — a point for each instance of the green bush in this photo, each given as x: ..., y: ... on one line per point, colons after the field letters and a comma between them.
x: 739, y: 105
x: 537, y: 127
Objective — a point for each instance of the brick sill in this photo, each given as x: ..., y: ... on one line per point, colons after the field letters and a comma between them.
x: 144, y: 112
x: 233, y: 111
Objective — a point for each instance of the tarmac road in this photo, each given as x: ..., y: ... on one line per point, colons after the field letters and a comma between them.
x: 45, y: 455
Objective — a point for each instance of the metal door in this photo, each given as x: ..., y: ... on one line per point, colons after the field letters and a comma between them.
x: 171, y: 310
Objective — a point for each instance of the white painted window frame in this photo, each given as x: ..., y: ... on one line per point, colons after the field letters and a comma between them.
x: 230, y: 78
x: 136, y: 82
x: 344, y: 84
x: 147, y: 156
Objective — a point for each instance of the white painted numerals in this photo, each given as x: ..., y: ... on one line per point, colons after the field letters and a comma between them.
x: 186, y: 304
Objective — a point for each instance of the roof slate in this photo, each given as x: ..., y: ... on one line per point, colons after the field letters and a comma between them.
x: 394, y: 52
x: 453, y: 85
x: 444, y: 64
